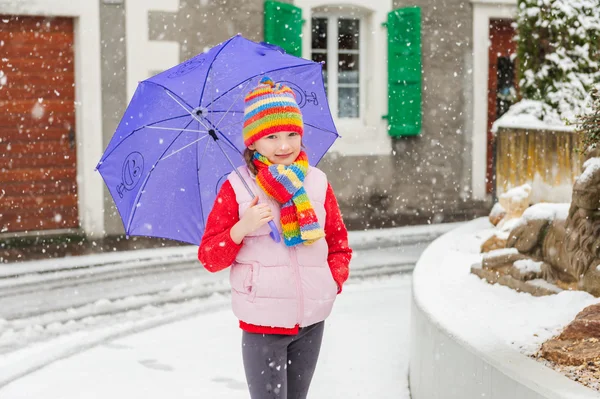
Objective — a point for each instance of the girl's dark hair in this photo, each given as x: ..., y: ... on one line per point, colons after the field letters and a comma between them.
x: 248, y: 157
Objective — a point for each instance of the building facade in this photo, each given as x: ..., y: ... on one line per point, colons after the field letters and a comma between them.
x: 431, y: 166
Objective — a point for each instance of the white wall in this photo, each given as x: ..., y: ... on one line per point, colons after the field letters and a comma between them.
x: 144, y: 57
x: 87, y: 98
x: 483, y: 11
x: 367, y: 135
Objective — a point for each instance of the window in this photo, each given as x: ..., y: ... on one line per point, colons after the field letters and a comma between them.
x: 336, y: 41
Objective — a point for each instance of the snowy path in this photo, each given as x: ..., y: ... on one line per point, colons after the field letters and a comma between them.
x: 82, y: 287
x: 54, y: 308
x: 364, y: 355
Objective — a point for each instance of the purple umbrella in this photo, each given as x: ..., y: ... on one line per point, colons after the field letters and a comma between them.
x: 181, y: 135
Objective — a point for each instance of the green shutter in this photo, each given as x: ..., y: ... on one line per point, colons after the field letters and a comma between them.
x: 283, y: 26
x: 404, y: 72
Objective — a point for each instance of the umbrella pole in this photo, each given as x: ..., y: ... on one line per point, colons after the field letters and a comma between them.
x: 274, y: 232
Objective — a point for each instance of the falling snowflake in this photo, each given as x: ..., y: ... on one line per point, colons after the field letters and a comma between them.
x: 38, y: 111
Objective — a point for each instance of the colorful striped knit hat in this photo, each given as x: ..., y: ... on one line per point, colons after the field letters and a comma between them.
x: 270, y: 108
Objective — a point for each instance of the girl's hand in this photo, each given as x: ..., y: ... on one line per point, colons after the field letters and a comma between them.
x: 256, y: 216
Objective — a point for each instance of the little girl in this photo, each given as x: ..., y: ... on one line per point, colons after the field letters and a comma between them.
x: 281, y: 292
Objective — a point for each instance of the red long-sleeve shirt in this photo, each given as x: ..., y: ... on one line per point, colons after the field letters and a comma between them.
x: 218, y: 251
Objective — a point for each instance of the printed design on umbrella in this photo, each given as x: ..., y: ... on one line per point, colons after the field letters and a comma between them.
x: 303, y: 97
x: 188, y: 66
x: 133, y: 168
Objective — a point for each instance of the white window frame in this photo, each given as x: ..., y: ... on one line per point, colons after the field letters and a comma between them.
x: 366, y: 135
x: 147, y: 57
x: 333, y: 60
x: 483, y: 12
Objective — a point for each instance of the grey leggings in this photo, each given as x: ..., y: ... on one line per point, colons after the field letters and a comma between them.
x: 281, y: 366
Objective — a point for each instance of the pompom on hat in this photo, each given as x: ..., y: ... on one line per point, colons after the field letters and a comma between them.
x: 270, y: 108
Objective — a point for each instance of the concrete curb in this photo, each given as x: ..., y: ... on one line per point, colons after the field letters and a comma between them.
x: 450, y: 363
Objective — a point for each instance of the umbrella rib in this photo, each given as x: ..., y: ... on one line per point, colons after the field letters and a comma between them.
x: 175, y: 128
x: 166, y: 120
x: 210, y: 67
x: 226, y: 138
x: 215, y: 112
x: 143, y: 186
x: 325, y: 130
x: 106, y: 155
x: 184, y: 147
x: 230, y: 144
x: 232, y: 104
x: 174, y: 97
x: 212, y: 87
x: 262, y: 73
x: 191, y: 113
x: 233, y: 124
x: 198, y: 178
x: 173, y: 94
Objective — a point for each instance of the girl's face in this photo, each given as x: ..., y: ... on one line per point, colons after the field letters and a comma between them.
x: 279, y: 148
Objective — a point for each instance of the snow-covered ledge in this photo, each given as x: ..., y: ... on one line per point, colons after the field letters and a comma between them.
x: 541, y: 153
x: 468, y: 338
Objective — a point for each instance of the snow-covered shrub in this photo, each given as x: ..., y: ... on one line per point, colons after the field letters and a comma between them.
x: 558, y: 54
x: 589, y: 124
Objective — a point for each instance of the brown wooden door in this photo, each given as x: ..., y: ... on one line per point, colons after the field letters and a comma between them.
x: 38, y: 189
x: 502, y: 50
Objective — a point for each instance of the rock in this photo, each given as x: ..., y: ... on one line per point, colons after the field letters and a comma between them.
x: 591, y: 280
x: 527, y: 236
x: 571, y: 352
x: 579, y: 343
x: 586, y: 325
x: 592, y: 153
x: 497, y: 259
x: 510, y: 205
x: 497, y: 214
x: 515, y: 201
x: 523, y: 274
x: 494, y: 276
x: 565, y: 238
x: 493, y: 243
x: 586, y: 192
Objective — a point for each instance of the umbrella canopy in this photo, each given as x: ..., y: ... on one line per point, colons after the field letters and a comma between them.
x: 163, y: 166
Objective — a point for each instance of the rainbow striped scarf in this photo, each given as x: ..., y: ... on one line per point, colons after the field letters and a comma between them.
x: 285, y: 185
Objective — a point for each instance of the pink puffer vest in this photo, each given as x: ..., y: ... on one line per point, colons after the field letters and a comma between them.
x: 278, y: 286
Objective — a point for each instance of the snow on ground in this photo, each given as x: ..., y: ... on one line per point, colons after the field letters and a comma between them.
x: 481, y: 313
x: 364, y: 354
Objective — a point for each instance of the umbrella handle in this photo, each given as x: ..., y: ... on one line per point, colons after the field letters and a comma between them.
x: 274, y: 232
